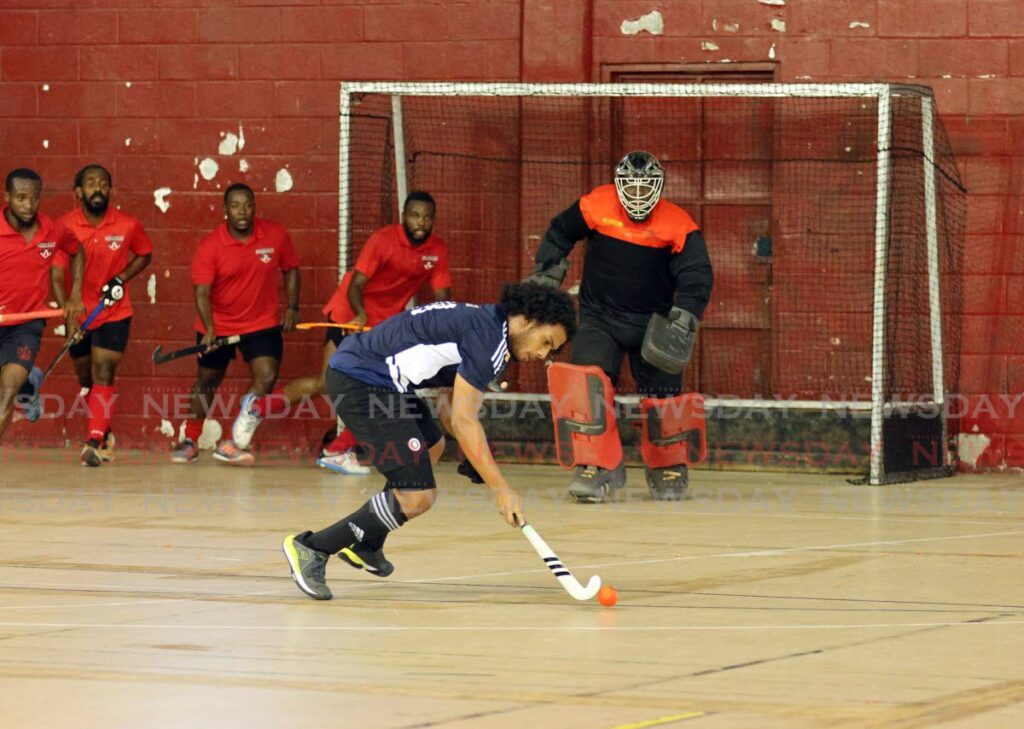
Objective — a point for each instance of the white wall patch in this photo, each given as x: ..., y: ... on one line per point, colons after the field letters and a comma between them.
x: 166, y: 428
x: 151, y: 288
x: 708, y: 46
x: 779, y: 26
x: 283, y: 180
x: 46, y: 144
x: 231, y: 142
x: 653, y: 23
x: 243, y: 165
x: 208, y: 168
x: 128, y: 142
x: 971, y: 445
x: 859, y: 24
x: 771, y: 52
x: 779, y: 3
x: 160, y: 198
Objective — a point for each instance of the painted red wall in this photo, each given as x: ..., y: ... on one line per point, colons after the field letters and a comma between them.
x: 175, y: 75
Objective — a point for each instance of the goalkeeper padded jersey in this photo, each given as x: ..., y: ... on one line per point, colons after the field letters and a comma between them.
x: 632, y: 270
x: 427, y: 346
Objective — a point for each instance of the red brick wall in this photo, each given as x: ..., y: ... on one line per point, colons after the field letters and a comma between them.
x: 201, y: 67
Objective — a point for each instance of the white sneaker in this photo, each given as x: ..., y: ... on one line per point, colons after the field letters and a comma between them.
x: 246, y: 423
x: 345, y: 463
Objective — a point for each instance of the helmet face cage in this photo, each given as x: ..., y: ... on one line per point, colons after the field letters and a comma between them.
x: 639, y: 178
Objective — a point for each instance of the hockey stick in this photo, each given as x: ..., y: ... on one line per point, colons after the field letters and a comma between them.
x: 159, y: 357
x: 71, y: 340
x: 8, y: 319
x: 313, y: 324
x: 30, y: 403
x: 559, y: 570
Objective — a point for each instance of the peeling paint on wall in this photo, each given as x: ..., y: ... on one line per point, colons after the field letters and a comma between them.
x: 283, y: 180
x: 653, y: 23
x: 771, y: 52
x: 151, y: 288
x: 859, y: 24
x: 231, y: 142
x: 779, y: 3
x: 128, y: 142
x: 971, y: 445
x: 166, y: 428
x: 778, y: 26
x: 208, y: 168
x: 46, y: 144
x: 46, y: 87
x: 708, y: 46
x: 243, y: 165
x: 160, y: 198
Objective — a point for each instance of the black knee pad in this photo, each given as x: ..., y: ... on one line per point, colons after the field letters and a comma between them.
x: 416, y: 477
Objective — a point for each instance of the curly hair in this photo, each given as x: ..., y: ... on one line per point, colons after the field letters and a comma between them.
x: 540, y: 303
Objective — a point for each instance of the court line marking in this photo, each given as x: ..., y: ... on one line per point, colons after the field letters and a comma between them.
x: 661, y: 720
x: 515, y: 628
x: 733, y: 555
x: 680, y: 558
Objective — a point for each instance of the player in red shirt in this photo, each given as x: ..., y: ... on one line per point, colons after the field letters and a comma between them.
x: 28, y: 242
x: 393, y: 265
x: 235, y: 272
x: 117, y: 249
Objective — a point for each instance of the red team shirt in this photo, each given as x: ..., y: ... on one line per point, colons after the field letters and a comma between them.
x: 396, y: 269
x: 243, y: 276
x: 25, y: 266
x: 107, y: 251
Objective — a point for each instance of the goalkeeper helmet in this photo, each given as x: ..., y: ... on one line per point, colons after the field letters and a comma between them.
x: 638, y: 180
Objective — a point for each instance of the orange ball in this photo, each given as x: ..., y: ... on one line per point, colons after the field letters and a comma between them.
x: 608, y: 596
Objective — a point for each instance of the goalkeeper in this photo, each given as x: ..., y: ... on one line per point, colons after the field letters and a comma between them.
x: 646, y: 280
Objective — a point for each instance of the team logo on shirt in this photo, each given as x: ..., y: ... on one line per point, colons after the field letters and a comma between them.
x: 414, y: 445
x: 46, y: 248
x: 25, y: 353
x: 114, y: 241
x: 265, y: 254
x: 429, y: 262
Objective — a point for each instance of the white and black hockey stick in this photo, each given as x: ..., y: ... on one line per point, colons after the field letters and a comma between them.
x: 559, y: 570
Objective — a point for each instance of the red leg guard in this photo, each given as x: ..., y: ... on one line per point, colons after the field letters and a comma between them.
x: 674, y: 431
x: 583, y: 409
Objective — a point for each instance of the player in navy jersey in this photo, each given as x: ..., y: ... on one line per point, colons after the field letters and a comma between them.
x: 372, y: 381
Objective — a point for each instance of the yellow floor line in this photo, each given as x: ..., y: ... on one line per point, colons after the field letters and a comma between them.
x: 660, y: 720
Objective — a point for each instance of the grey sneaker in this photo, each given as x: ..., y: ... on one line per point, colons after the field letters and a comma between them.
x: 363, y: 558
x: 668, y: 484
x: 308, y: 567
x: 185, y: 452
x: 90, y: 455
x: 594, y: 485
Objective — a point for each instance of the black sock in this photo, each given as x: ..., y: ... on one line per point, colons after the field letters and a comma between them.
x: 369, y: 525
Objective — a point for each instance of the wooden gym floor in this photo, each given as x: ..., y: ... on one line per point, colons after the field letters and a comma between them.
x: 144, y: 594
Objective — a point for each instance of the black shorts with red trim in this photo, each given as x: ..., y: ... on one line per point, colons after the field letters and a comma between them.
x: 19, y: 344
x: 264, y: 343
x: 113, y: 336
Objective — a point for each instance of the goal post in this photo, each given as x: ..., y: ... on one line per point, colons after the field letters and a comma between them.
x: 834, y: 215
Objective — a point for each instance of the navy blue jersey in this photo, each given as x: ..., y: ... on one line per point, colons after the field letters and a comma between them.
x: 427, y: 346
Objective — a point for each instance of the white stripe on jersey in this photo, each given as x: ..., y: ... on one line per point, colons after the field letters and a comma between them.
x: 414, y: 365
x: 498, y: 358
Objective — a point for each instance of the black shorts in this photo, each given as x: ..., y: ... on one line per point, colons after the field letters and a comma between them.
x: 113, y: 336
x: 335, y: 335
x: 397, y: 429
x: 602, y: 343
x: 19, y: 344
x: 264, y: 343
